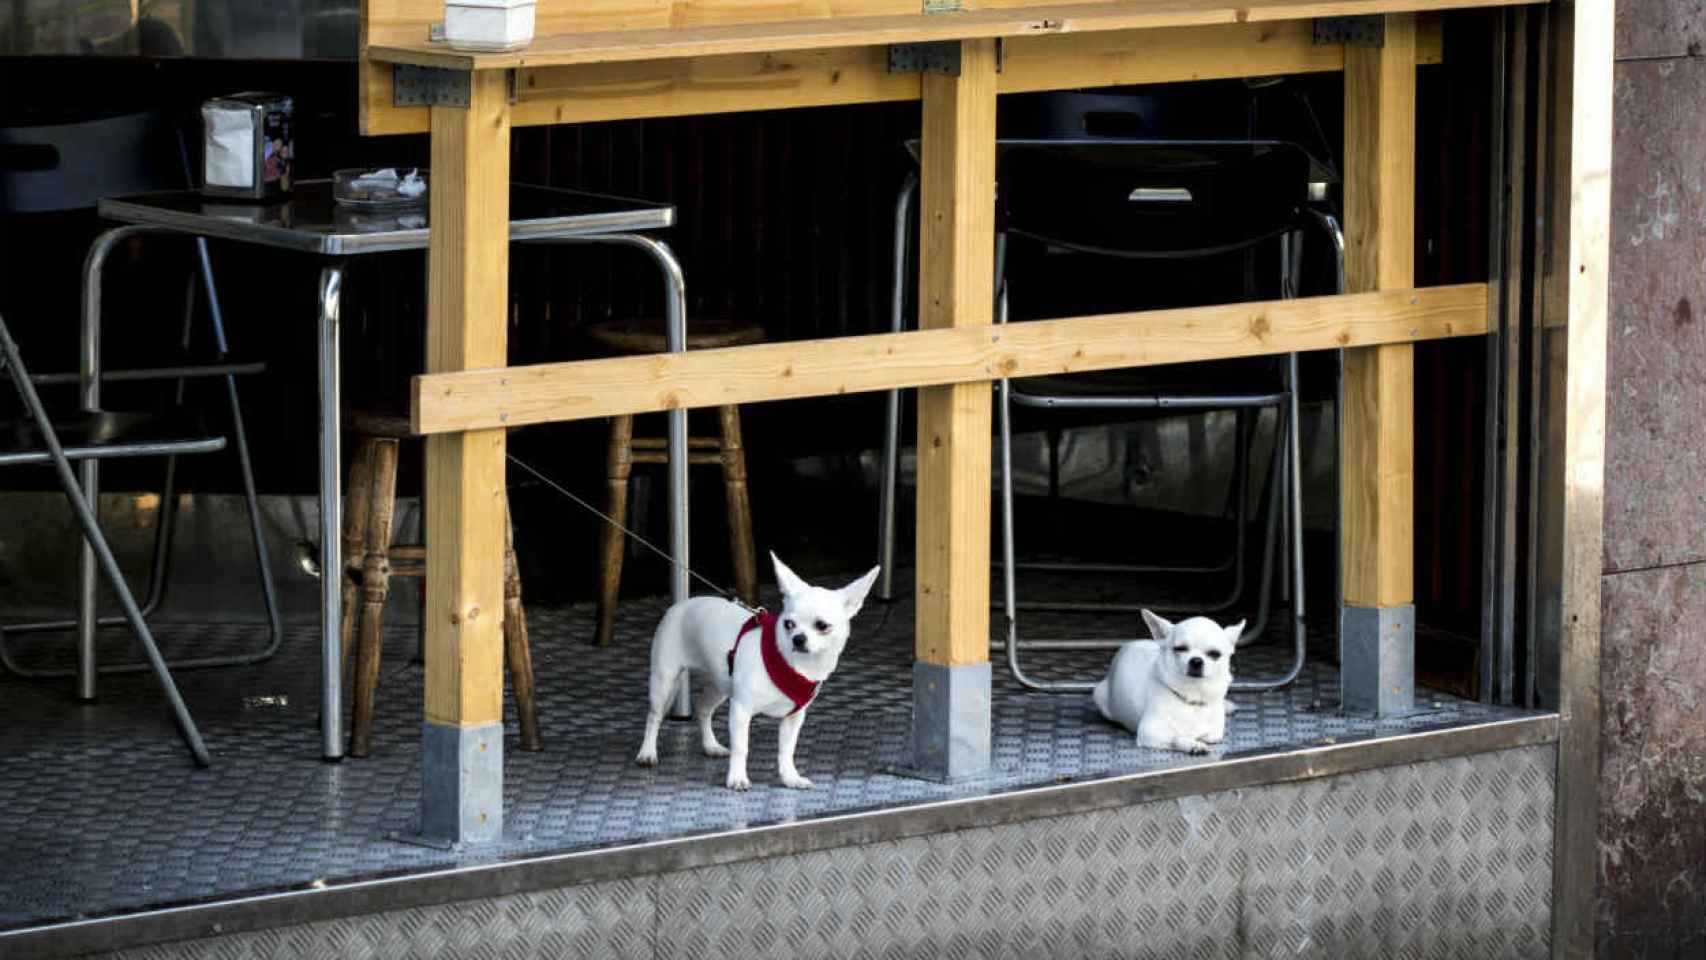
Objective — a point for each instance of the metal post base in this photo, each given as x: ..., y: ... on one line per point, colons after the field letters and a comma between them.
x: 950, y: 721
x: 1377, y: 660
x: 461, y: 784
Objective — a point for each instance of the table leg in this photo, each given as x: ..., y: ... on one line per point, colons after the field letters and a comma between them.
x: 89, y: 471
x: 331, y: 519
x: 675, y: 338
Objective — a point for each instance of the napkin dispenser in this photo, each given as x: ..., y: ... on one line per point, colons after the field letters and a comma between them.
x: 247, y: 149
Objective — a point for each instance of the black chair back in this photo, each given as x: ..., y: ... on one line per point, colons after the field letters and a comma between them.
x: 1151, y: 198
x: 57, y: 167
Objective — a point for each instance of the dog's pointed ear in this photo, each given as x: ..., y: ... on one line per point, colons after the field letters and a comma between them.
x: 1234, y: 636
x: 853, y: 595
x: 1159, y: 627
x: 785, y: 578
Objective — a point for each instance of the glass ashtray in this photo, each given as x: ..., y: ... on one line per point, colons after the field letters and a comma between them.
x: 388, y: 188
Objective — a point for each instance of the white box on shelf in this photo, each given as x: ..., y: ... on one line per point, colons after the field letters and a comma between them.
x: 488, y: 25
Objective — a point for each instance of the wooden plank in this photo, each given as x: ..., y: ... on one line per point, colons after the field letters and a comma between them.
x: 775, y: 37
x: 663, y: 88
x: 584, y: 389
x: 845, y: 75
x: 956, y: 270
x: 407, y: 22
x: 469, y: 268
x: 1377, y: 490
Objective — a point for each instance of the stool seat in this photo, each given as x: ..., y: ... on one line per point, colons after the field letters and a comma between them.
x: 646, y: 335
x: 386, y: 424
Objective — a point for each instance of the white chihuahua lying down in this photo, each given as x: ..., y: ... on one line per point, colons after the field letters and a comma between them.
x: 771, y: 665
x: 1171, y: 691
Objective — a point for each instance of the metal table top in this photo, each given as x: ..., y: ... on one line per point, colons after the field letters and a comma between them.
x: 309, y: 221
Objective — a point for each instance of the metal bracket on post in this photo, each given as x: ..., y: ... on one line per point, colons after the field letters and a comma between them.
x: 413, y: 86
x: 1365, y: 31
x: 943, y: 58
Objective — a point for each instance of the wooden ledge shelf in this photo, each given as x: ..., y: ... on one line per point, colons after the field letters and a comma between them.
x: 583, y: 389
x: 671, y: 43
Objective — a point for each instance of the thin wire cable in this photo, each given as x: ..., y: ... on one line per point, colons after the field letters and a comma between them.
x: 726, y: 594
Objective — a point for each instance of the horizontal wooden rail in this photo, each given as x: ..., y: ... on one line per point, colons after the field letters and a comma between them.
x: 845, y: 75
x: 583, y: 389
x: 668, y: 43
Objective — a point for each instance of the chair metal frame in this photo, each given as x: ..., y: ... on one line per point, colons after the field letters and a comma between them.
x: 89, y: 378
x: 1236, y: 500
x: 1283, y: 488
x: 81, y: 507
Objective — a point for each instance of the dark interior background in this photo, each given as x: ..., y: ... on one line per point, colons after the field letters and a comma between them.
x: 784, y: 218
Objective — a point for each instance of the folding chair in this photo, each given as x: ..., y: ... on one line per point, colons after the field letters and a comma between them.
x: 102, y: 436
x: 1174, y: 200
x: 68, y: 168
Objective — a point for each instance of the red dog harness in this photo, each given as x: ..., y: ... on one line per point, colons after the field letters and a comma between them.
x: 791, y: 682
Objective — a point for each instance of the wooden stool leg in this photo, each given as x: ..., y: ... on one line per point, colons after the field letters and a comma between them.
x: 375, y: 587
x: 516, y: 649
x: 621, y: 463
x: 357, y: 492
x: 741, y: 551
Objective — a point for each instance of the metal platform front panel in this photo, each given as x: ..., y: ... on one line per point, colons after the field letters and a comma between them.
x: 107, y: 817
x: 1448, y: 859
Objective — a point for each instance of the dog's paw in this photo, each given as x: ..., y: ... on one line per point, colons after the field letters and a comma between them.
x: 739, y: 782
x: 716, y: 751
x: 796, y: 782
x: 1214, y: 741
x: 1196, y: 748
x: 647, y: 758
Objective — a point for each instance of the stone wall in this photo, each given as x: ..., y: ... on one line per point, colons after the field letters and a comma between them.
x: 1652, y: 856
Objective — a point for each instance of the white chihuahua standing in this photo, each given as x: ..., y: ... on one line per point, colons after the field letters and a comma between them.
x: 771, y: 664
x: 1171, y: 691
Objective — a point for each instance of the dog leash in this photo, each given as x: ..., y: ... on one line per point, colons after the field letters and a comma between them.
x: 726, y: 594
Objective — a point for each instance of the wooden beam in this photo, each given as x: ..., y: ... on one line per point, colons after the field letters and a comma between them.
x: 1379, y: 388
x: 665, y: 43
x: 584, y: 389
x: 845, y: 75
x: 956, y: 270
x: 468, y: 263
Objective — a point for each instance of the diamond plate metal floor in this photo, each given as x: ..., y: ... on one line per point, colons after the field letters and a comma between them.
x: 105, y: 814
x: 1448, y: 859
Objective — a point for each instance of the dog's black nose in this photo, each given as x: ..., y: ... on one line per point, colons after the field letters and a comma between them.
x: 1196, y: 666
x: 799, y: 641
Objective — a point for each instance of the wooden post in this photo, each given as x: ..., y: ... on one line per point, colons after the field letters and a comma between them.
x: 462, y: 760
x: 951, y: 678
x: 1377, y: 624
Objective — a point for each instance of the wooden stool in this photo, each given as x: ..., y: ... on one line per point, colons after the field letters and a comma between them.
x: 647, y: 336
x: 370, y: 561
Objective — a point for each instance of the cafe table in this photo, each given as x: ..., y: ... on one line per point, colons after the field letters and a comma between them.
x: 308, y: 220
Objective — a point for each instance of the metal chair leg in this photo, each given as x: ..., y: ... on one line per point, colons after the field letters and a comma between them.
x: 103, y: 555
x: 1014, y: 643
